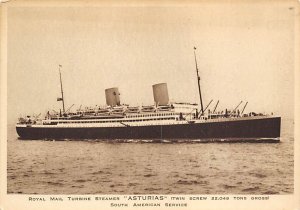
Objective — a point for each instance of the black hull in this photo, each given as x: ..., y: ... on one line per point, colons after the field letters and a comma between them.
x: 265, y: 129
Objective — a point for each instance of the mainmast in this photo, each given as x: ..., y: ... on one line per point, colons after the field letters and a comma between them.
x: 198, y: 79
x: 61, y: 89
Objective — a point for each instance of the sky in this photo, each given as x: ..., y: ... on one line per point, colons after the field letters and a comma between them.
x: 245, y: 52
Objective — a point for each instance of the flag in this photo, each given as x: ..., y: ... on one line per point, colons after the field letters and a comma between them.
x: 59, y: 99
x: 60, y: 65
x: 194, y: 48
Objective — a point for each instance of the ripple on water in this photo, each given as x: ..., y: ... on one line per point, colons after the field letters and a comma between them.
x: 152, y: 189
x: 271, y: 192
x: 54, y: 183
x: 80, y: 180
x: 149, y: 175
x: 12, y: 177
x: 225, y: 186
x: 47, y: 173
x: 250, y: 189
x: 196, y: 175
x: 258, y: 175
x: 130, y: 184
x: 98, y: 172
x: 191, y: 182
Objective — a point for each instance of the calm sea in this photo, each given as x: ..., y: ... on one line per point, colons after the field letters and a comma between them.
x: 102, y: 167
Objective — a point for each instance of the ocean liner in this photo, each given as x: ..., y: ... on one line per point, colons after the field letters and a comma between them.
x: 165, y: 120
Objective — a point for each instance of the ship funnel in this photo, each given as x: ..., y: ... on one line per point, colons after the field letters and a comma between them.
x: 160, y: 94
x: 112, y: 96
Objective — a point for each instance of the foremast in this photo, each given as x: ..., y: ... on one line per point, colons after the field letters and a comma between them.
x: 198, y: 80
x: 61, y: 89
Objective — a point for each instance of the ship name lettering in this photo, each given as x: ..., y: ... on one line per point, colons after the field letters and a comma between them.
x: 178, y: 198
x: 146, y: 204
x: 107, y: 198
x: 79, y: 198
x: 140, y: 197
x: 216, y: 198
x: 198, y: 198
x: 176, y: 204
x: 118, y: 205
x: 56, y: 199
x: 240, y: 198
x: 260, y: 198
x: 36, y: 199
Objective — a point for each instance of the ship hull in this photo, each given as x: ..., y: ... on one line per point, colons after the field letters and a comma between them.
x: 266, y: 129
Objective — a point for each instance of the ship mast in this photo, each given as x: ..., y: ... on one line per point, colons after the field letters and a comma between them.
x: 61, y: 89
x: 198, y: 79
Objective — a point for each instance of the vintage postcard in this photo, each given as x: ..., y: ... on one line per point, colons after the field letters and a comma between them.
x: 149, y: 105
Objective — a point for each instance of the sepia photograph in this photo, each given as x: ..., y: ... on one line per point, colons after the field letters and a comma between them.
x: 150, y: 99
